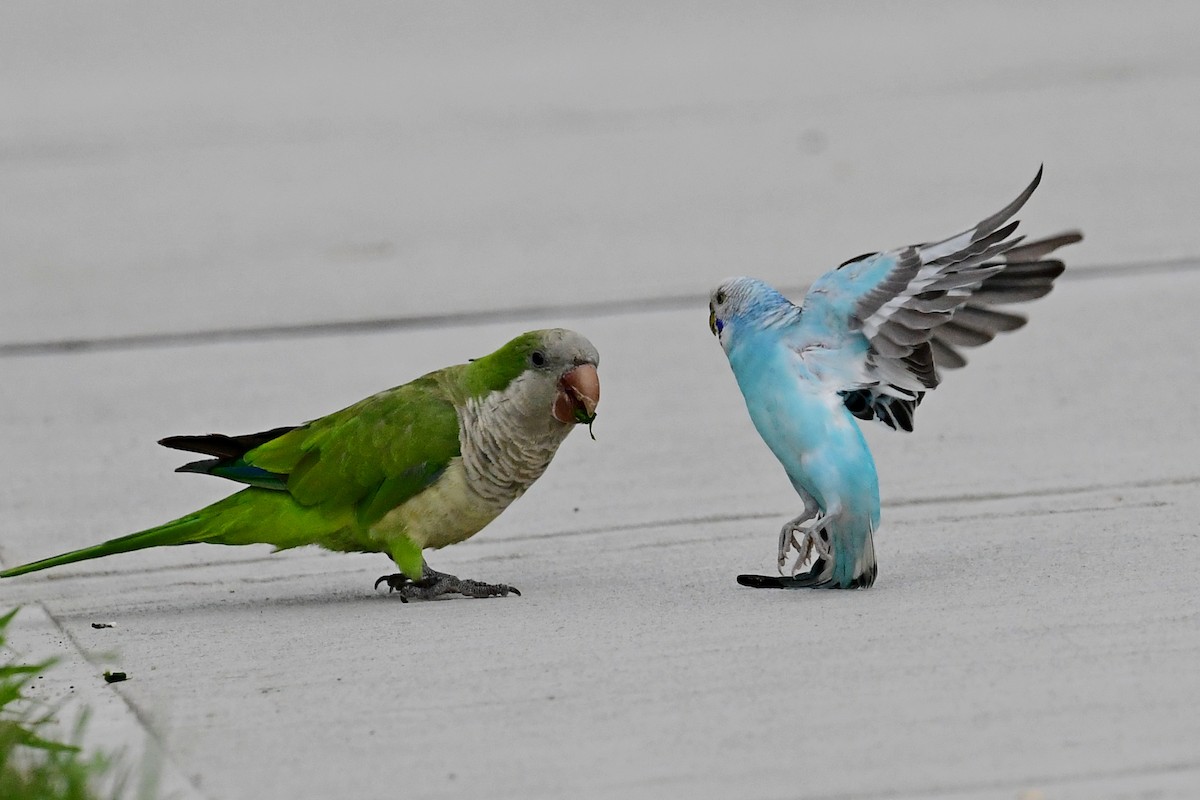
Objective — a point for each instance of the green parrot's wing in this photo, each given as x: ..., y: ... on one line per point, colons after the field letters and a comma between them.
x: 363, y: 460
x: 372, y: 456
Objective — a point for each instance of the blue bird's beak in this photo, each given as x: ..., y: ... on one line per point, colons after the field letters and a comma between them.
x: 715, y: 325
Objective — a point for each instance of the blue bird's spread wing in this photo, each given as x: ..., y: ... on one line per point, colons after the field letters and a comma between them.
x: 1027, y: 275
x: 916, y: 306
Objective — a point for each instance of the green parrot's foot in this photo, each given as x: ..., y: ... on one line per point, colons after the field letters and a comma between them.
x: 435, y: 584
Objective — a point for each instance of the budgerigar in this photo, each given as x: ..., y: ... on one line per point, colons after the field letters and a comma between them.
x: 423, y: 465
x: 866, y: 342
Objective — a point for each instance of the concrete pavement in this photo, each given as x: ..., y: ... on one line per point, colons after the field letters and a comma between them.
x: 1033, y: 631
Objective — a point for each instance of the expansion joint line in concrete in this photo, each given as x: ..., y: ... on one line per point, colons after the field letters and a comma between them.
x: 143, y: 723
x: 602, y: 308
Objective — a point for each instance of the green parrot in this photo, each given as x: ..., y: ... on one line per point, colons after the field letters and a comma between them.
x: 423, y: 465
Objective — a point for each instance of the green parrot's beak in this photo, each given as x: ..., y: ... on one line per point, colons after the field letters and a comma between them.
x: 578, y: 395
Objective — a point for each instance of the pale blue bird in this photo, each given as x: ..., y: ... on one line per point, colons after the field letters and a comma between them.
x: 866, y: 342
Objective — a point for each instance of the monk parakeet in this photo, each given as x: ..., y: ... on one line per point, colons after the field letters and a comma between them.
x: 423, y: 465
x: 866, y: 342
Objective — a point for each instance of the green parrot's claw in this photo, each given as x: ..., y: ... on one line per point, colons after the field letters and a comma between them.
x: 435, y: 584
x: 396, y: 583
x: 393, y: 581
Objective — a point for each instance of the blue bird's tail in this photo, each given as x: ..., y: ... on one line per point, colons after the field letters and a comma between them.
x: 850, y: 540
x: 852, y: 548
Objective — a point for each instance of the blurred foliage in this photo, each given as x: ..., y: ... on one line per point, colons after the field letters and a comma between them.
x: 32, y: 766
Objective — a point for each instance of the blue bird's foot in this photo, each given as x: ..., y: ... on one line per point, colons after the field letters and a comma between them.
x: 814, y: 540
x: 788, y: 542
x: 815, y: 578
x: 435, y: 584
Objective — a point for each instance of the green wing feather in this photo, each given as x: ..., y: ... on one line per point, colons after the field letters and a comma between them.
x: 373, y: 455
x: 339, y: 474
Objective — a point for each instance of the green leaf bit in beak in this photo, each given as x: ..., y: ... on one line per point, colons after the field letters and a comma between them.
x: 578, y: 395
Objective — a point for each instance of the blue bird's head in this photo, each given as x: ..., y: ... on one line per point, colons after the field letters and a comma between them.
x: 737, y: 302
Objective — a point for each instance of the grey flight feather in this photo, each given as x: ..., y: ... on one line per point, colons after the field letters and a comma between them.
x: 937, y: 298
x: 929, y: 282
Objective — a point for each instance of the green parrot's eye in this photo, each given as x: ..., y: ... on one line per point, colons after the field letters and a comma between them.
x: 721, y: 297
x: 537, y: 358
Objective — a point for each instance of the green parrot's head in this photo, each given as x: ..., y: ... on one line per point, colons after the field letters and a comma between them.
x: 552, y: 369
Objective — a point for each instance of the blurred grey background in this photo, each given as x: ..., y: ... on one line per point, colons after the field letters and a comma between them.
x: 187, y: 166
x: 231, y: 216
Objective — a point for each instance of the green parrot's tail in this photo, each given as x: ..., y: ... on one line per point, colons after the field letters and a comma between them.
x: 180, y: 531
